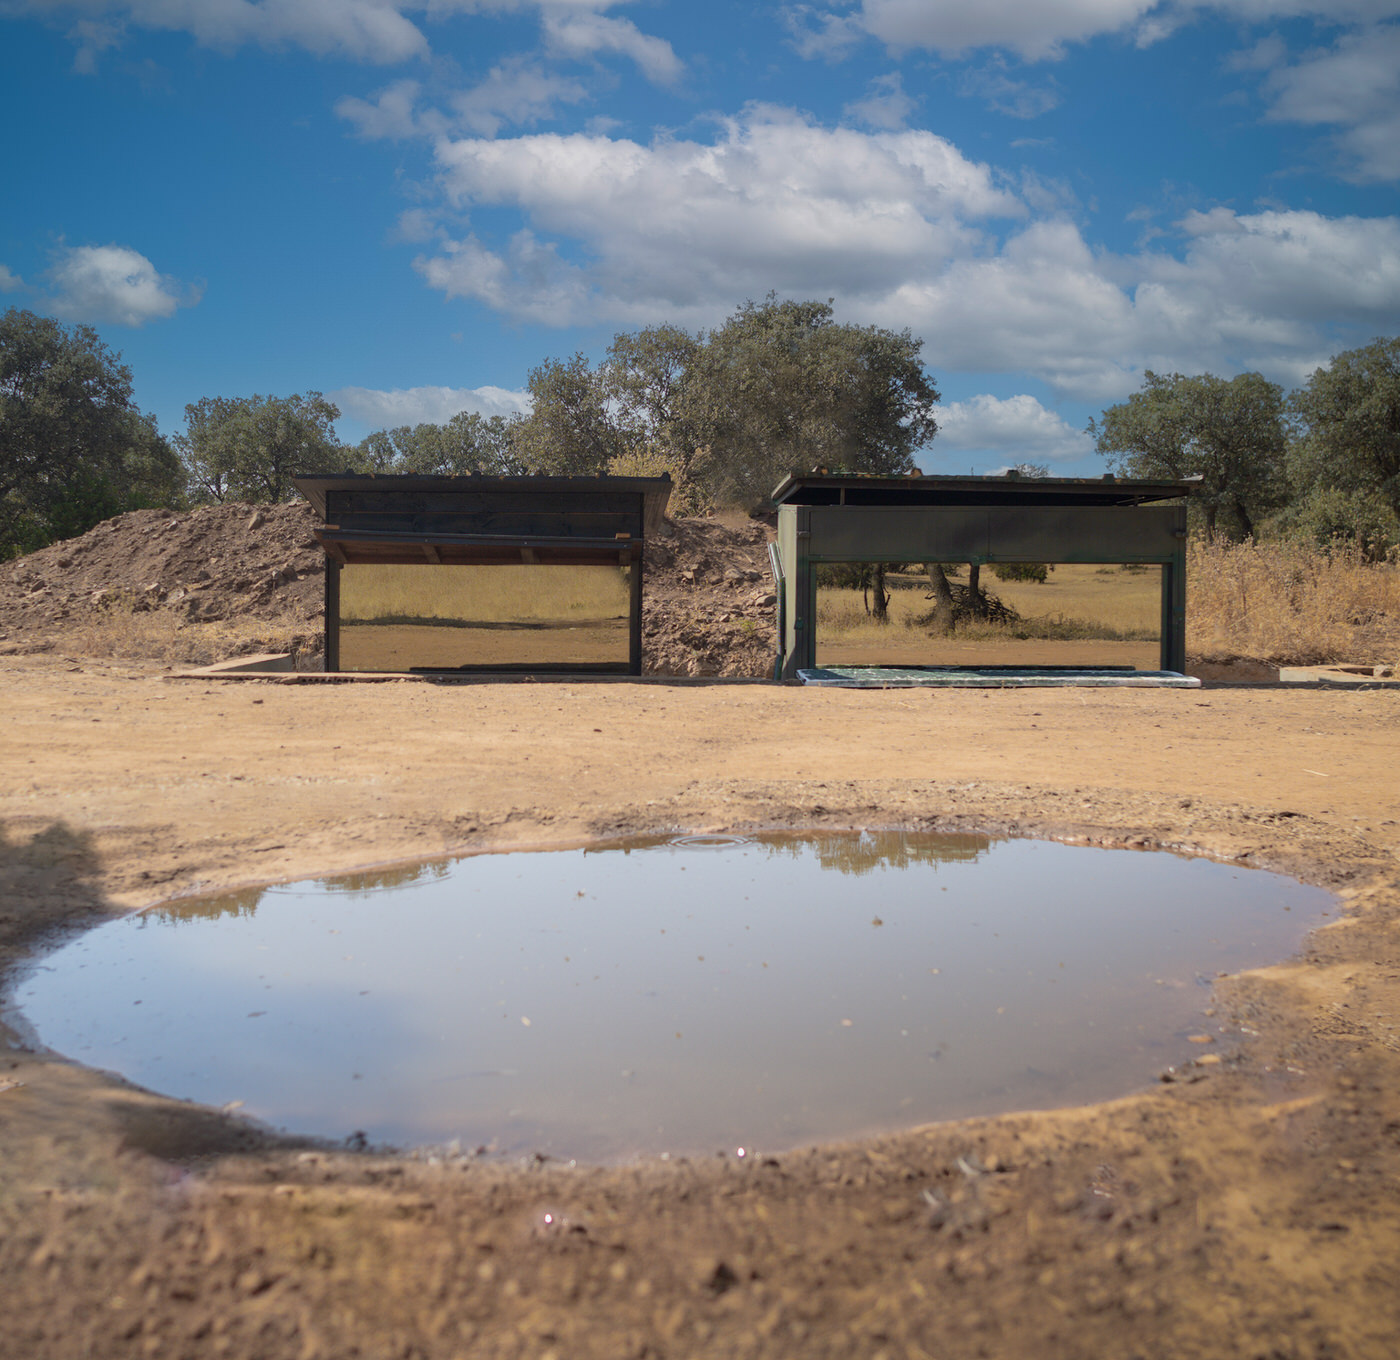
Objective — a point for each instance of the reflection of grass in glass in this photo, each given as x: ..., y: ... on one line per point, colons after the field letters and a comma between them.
x: 1076, y: 602
x: 484, y: 594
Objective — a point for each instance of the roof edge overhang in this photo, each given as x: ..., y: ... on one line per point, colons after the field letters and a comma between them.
x: 655, y: 491
x: 827, y: 489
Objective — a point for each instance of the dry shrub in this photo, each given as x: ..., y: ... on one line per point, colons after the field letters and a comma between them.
x: 120, y: 630
x: 1290, y: 603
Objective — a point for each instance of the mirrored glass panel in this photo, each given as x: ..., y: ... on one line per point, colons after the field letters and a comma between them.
x: 527, y: 616
x: 957, y: 614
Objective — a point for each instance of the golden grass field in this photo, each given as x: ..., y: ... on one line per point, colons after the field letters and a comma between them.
x: 1082, y: 615
x: 418, y: 646
x: 484, y: 594
x: 1290, y: 604
x: 1282, y: 603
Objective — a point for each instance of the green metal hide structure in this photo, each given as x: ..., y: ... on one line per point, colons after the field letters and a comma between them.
x: 985, y: 520
x: 491, y: 574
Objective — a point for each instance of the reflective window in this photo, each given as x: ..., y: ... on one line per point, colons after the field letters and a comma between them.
x: 523, y: 616
x: 1023, y: 614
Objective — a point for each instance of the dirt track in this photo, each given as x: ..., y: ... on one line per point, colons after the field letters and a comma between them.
x: 1250, y: 1209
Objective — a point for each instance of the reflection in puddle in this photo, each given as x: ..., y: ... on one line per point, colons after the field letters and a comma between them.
x: 680, y: 996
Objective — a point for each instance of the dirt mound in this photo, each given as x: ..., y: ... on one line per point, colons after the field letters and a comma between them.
x: 155, y: 583
x: 708, y: 602
x: 218, y: 563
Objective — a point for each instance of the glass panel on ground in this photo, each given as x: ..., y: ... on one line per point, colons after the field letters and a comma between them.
x: 1022, y: 614
x: 526, y: 616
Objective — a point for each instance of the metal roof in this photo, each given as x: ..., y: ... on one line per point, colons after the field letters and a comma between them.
x: 656, y: 491
x: 824, y: 489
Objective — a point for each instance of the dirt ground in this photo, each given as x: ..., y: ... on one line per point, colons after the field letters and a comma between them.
x: 1249, y: 1206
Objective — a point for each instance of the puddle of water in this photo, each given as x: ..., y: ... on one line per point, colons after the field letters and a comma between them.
x: 682, y: 996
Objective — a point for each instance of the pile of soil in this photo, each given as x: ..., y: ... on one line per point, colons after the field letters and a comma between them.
x: 708, y: 602
x: 208, y: 565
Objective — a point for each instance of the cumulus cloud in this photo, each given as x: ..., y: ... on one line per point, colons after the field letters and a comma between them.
x: 1019, y: 427
x: 1034, y: 32
x: 387, y: 409
x: 774, y: 202
x: 9, y: 283
x: 382, y: 32
x: 1041, y: 31
x: 113, y: 284
x: 364, y: 30
x: 885, y: 104
x: 1005, y: 94
x: 1354, y: 86
x: 389, y: 115
x: 518, y: 92
x: 581, y: 32
x: 903, y: 230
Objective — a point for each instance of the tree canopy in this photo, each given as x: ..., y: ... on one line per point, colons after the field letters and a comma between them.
x: 1349, y: 417
x: 780, y: 387
x: 74, y: 449
x: 249, y: 448
x: 1229, y: 432
x: 468, y: 443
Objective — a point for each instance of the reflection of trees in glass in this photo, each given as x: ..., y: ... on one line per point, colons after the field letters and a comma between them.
x: 860, y: 853
x: 245, y: 903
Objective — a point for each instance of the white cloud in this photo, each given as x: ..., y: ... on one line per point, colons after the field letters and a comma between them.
x: 113, y: 284
x: 902, y: 230
x: 1355, y: 86
x: 1019, y: 427
x: 830, y: 36
x: 9, y: 283
x: 775, y: 202
x: 1004, y: 94
x: 885, y: 104
x: 1034, y: 31
x: 581, y: 32
x: 365, y: 30
x: 376, y: 31
x: 1041, y: 31
x: 383, y: 410
x: 389, y: 115
x: 518, y: 92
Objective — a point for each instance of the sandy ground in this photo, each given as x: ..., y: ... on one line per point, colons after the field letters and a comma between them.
x: 1248, y: 1207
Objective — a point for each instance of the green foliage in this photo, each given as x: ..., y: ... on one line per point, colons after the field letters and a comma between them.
x: 1349, y: 417
x: 570, y: 432
x: 249, y: 448
x: 74, y: 449
x: 1039, y: 572
x: 780, y: 387
x: 1229, y: 433
x: 1328, y: 515
x: 468, y: 443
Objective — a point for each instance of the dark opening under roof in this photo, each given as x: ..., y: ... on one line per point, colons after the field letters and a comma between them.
x: 824, y: 489
x: 550, y: 492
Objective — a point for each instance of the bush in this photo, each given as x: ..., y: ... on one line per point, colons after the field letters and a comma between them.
x: 1038, y: 572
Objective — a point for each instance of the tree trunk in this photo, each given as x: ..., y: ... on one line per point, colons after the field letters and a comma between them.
x: 942, y: 597
x: 976, y: 601
x: 881, y: 611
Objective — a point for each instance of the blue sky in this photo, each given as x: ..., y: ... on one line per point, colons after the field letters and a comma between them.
x: 407, y: 204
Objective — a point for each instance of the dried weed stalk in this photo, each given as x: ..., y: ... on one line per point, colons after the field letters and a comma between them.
x: 1290, y: 604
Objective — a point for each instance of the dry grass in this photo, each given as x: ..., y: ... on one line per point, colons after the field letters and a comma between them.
x: 122, y: 632
x: 1077, y: 602
x: 1290, y: 604
x: 485, y: 594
